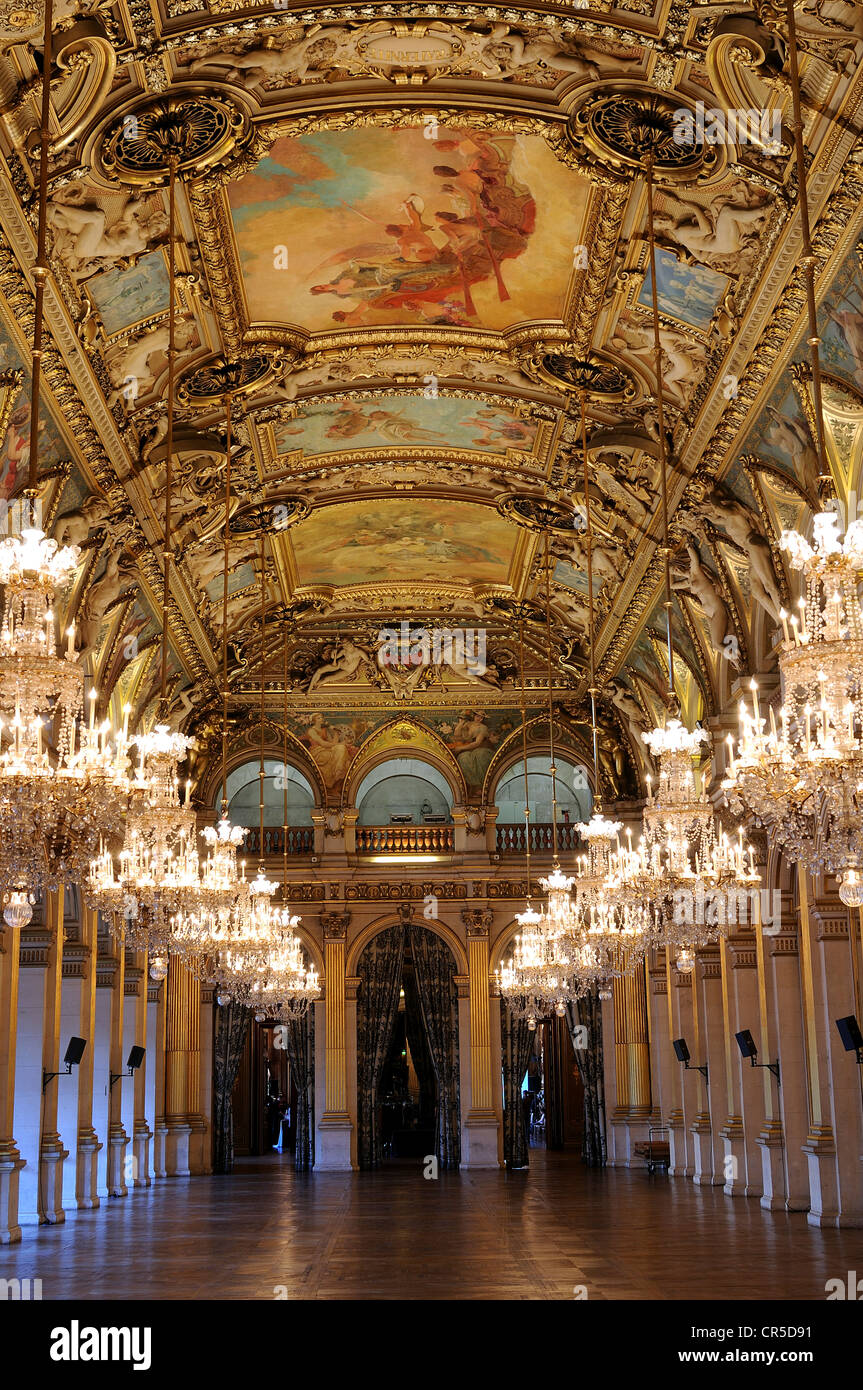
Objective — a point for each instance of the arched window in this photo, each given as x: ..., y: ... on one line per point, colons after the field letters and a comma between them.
x: 244, y: 797
x: 404, y: 791
x: 574, y: 796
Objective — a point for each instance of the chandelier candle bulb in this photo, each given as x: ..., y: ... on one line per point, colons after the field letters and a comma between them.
x: 754, y: 688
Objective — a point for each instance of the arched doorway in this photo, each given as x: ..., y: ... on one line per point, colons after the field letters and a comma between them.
x: 407, y: 1048
x: 552, y: 1079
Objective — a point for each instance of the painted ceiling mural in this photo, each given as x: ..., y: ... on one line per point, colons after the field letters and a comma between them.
x: 407, y: 228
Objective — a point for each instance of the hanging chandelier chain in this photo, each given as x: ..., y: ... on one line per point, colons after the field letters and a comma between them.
x: 524, y: 755
x: 263, y: 645
x: 173, y: 161
x: 660, y: 413
x: 825, y: 477
x: 552, y: 768
x: 588, y: 528
x: 285, y: 759
x: 41, y: 268
x: 227, y: 548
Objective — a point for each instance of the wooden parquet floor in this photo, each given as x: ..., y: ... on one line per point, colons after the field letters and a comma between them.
x: 395, y: 1235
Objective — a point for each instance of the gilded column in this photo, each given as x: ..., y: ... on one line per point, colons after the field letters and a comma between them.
x: 11, y: 1161
x: 181, y: 1065
x: 707, y: 1006
x: 681, y: 1025
x: 117, y: 1136
x: 631, y: 1117
x: 480, y: 1125
x: 141, y: 1135
x: 784, y: 1164
x: 820, y: 1145
x: 335, y: 1127
x: 743, y: 1175
x: 51, y: 1151
x: 86, y: 1181
x: 836, y: 999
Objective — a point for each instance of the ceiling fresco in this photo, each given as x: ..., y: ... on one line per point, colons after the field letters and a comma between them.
x: 406, y: 226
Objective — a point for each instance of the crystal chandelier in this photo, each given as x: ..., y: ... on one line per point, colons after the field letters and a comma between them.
x: 535, y: 981
x: 681, y: 857
x: 159, y: 874
x: 611, y: 931
x: 290, y: 985
x: 259, y: 944
x: 802, y: 778
x: 60, y: 784
x: 223, y: 901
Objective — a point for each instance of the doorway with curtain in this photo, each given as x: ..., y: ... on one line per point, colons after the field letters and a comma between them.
x: 552, y: 1080
x: 407, y: 1049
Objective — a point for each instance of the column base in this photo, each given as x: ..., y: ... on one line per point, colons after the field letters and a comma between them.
x: 141, y: 1155
x: 86, y: 1174
x: 333, y: 1144
x: 198, y: 1146
x: 678, y: 1167
x: 703, y: 1176
x: 734, y: 1162
x: 117, y: 1142
x: 11, y: 1164
x: 820, y: 1150
x: 626, y: 1133
x: 479, y: 1140
x: 159, y: 1135
x: 177, y: 1138
x: 52, y: 1158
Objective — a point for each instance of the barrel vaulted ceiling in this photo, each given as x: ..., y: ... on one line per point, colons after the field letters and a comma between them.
x: 406, y: 221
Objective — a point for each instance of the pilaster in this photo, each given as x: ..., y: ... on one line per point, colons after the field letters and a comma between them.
x: 481, y: 1123
x: 335, y: 1127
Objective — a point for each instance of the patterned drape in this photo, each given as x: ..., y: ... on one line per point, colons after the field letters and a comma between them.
x: 434, y: 967
x: 299, y: 1038
x: 232, y: 1026
x: 587, y: 1013
x: 418, y: 1044
x: 515, y: 1041
x: 379, y: 968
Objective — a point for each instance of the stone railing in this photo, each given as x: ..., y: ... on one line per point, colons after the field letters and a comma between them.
x: 405, y: 839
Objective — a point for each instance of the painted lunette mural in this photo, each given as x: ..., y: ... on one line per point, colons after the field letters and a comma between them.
x: 391, y: 540
x: 433, y: 422
x: 472, y: 735
x: 468, y: 227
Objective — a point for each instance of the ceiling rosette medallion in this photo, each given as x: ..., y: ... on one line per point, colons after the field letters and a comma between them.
x: 618, y: 125
x: 211, y: 382
x: 275, y: 516
x: 207, y: 128
x: 601, y: 381
x: 541, y: 513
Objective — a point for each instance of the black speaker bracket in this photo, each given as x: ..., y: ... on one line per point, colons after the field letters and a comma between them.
x: 770, y: 1066
x: 49, y: 1075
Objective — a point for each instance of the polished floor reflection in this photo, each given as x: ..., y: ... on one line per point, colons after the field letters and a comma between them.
x: 267, y: 1232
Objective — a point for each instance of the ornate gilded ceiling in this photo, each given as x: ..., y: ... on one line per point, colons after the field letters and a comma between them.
x: 410, y: 224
